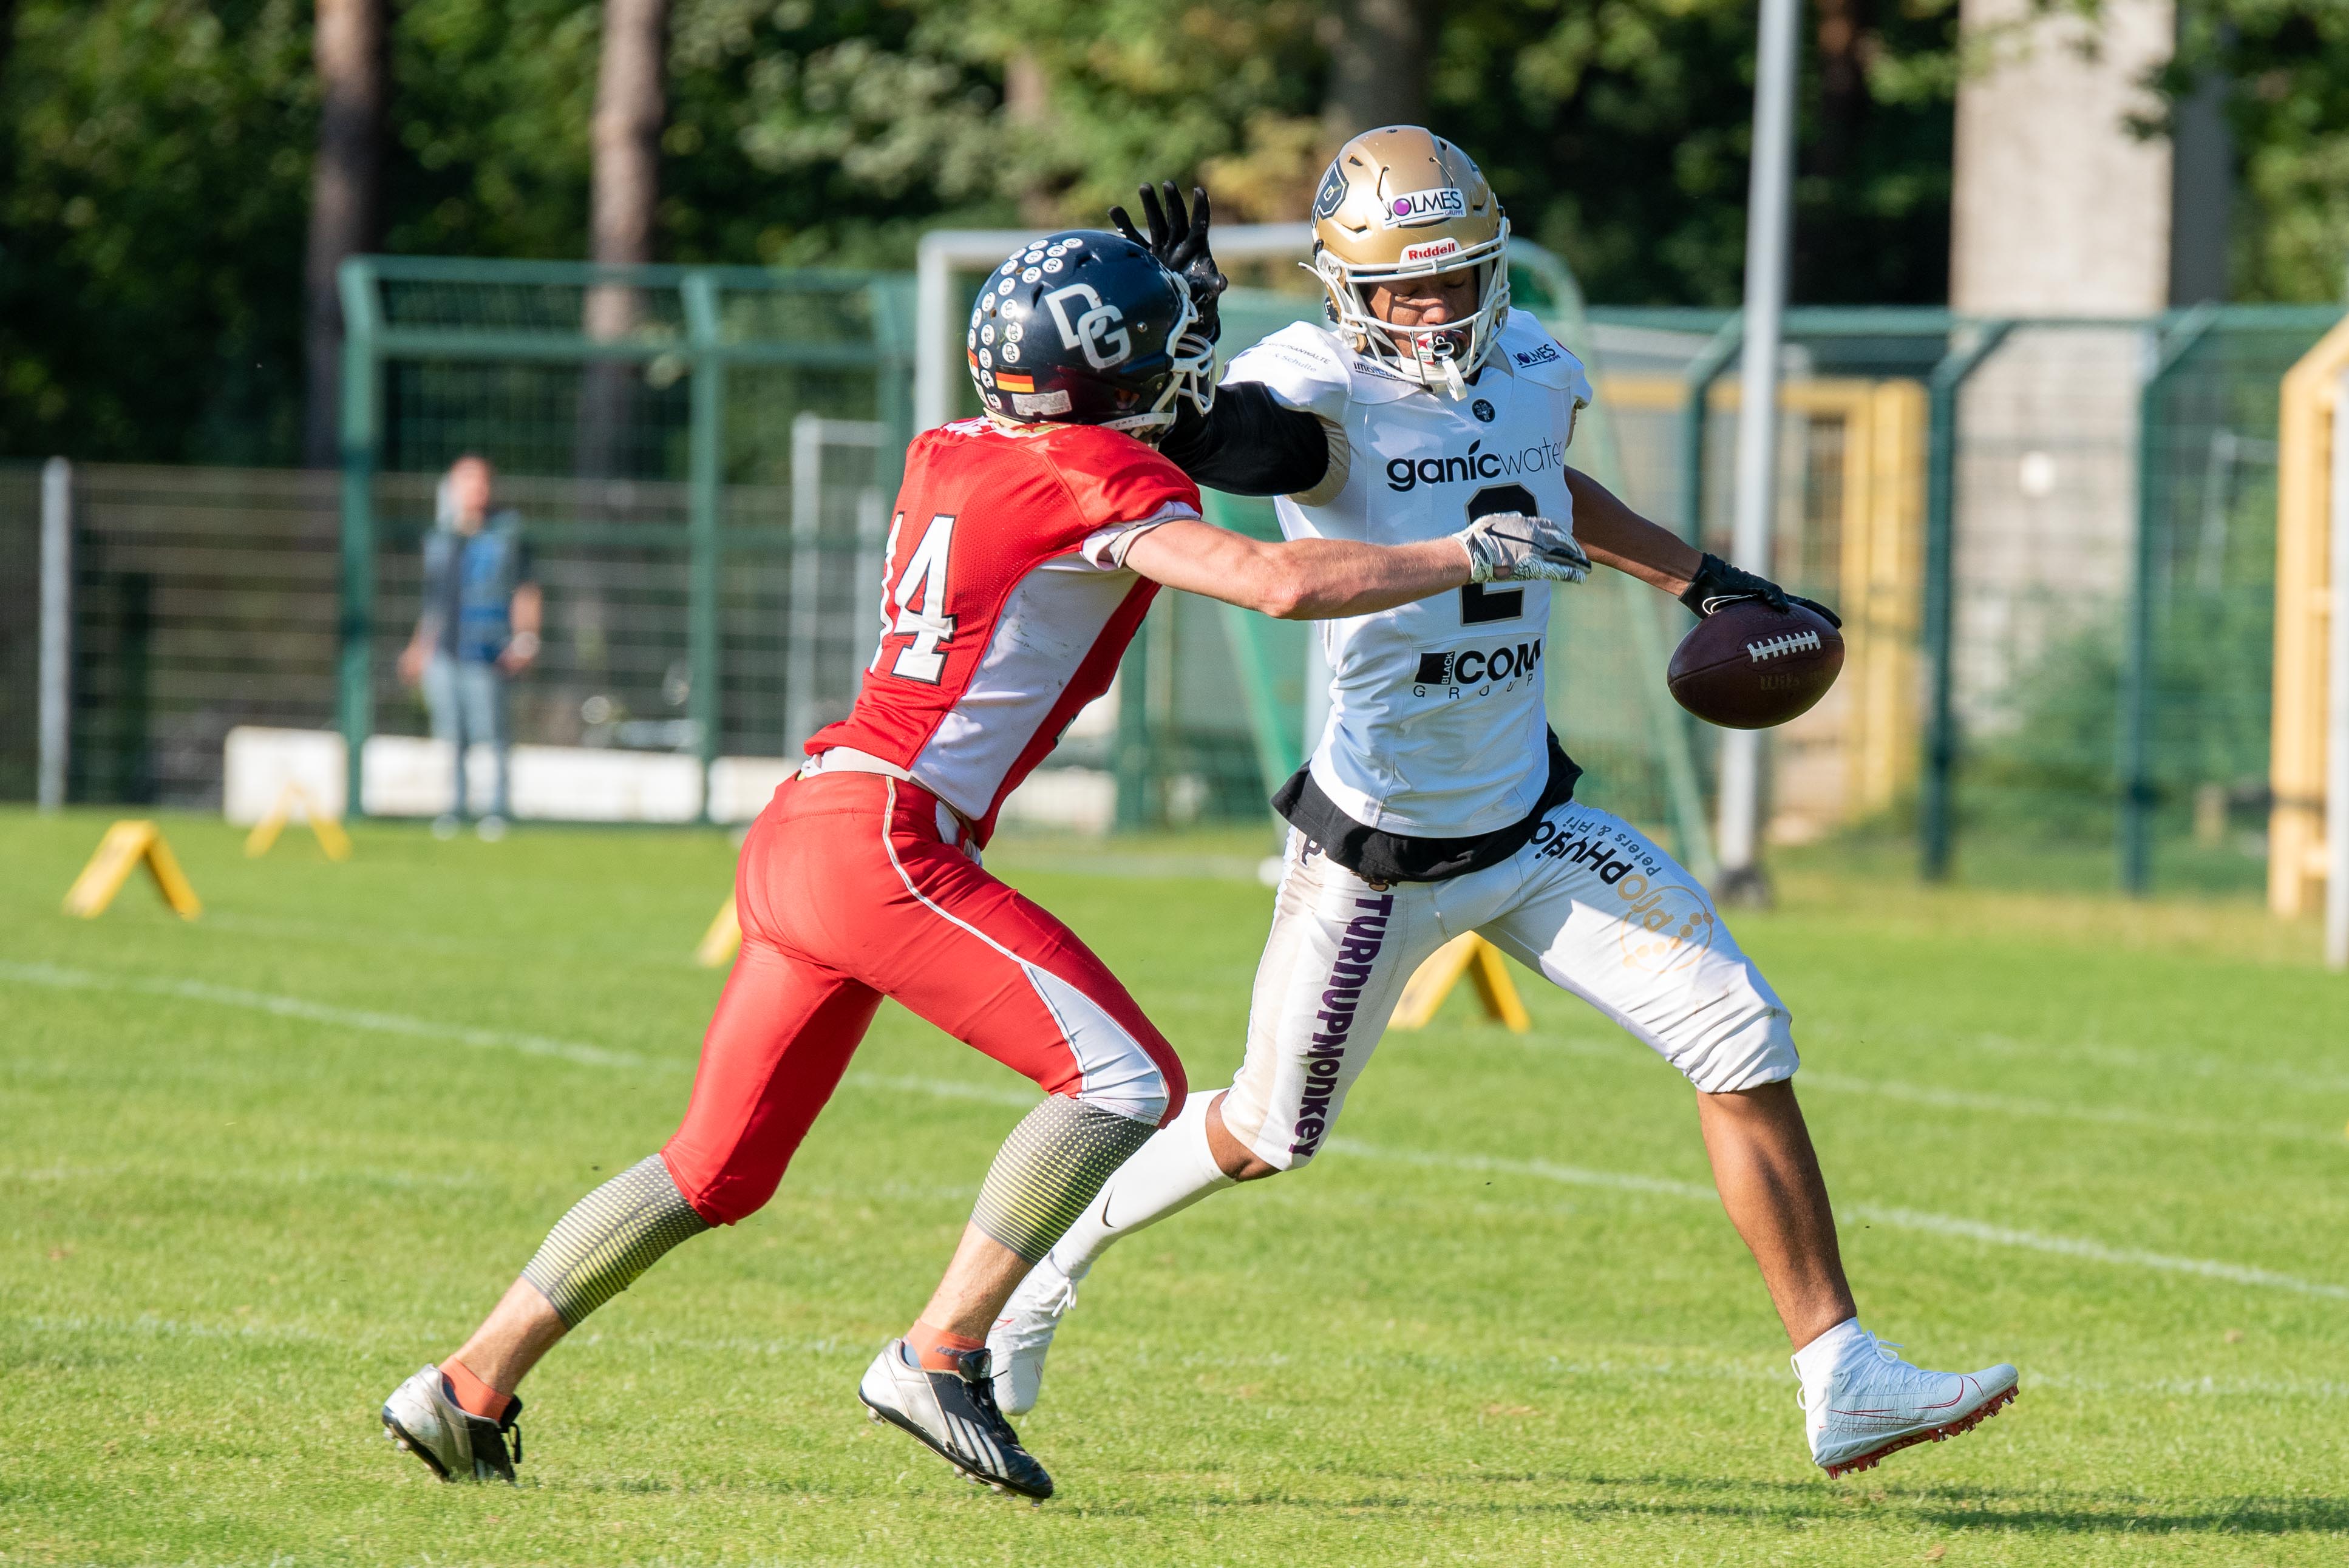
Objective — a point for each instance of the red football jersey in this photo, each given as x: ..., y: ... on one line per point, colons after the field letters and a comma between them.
x: 1006, y: 603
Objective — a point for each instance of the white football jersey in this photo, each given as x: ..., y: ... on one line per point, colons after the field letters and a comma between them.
x: 1437, y: 727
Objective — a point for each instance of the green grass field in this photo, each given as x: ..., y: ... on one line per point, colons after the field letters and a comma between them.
x: 257, y: 1168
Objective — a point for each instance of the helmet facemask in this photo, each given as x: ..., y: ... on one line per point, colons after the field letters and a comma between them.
x: 1192, y: 380
x: 1435, y: 356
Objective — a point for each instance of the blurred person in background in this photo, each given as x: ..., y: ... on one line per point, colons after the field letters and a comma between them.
x: 478, y: 630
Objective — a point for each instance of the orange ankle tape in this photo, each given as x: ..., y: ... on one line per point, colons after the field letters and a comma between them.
x: 472, y: 1395
x: 936, y: 1349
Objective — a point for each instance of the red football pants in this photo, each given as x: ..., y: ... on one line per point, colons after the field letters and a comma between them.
x: 853, y: 887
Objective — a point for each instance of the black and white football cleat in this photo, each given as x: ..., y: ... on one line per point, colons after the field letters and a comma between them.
x: 456, y: 1444
x: 954, y: 1415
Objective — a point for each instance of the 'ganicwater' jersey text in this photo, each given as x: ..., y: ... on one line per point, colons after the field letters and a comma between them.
x: 1437, y: 727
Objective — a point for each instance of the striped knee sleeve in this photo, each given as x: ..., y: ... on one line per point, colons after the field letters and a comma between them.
x: 611, y: 1236
x: 1051, y: 1165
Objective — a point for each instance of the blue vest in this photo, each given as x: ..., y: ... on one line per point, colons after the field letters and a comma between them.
x: 480, y: 573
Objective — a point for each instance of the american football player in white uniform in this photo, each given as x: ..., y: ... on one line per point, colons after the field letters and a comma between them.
x: 1438, y: 801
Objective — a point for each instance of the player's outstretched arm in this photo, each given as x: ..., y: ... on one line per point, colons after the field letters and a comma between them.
x: 1322, y: 578
x: 1614, y: 535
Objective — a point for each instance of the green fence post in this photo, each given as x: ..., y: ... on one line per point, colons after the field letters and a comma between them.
x: 1667, y: 723
x: 1132, y: 764
x: 704, y: 476
x: 1272, y: 731
x: 1701, y: 373
x: 1940, y: 604
x: 2136, y: 760
x: 894, y: 327
x: 362, y: 433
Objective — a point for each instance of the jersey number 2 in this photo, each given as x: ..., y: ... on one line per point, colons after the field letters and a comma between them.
x: 920, y: 595
x: 1478, y: 604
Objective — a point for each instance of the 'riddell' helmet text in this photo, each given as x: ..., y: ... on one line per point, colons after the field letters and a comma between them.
x: 1086, y: 327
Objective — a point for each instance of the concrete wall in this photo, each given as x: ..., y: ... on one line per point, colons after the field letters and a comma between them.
x: 2058, y: 209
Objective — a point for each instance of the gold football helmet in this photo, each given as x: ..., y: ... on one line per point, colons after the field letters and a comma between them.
x: 1403, y: 202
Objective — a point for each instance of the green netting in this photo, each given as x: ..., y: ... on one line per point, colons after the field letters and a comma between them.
x: 703, y: 460
x: 700, y: 458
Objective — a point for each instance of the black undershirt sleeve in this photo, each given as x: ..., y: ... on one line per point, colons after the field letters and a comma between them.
x: 1248, y: 444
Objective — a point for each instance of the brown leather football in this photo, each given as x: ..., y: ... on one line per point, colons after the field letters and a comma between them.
x: 1748, y: 666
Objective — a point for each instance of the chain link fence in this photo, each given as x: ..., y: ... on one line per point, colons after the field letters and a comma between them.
x: 2053, y: 542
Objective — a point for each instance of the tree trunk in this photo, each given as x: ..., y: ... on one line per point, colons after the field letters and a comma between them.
x: 345, y: 210
x: 1379, y: 55
x: 629, y: 108
x: 1028, y: 104
x: 1843, y: 86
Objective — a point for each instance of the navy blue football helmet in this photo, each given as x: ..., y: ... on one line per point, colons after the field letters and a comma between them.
x: 1086, y: 327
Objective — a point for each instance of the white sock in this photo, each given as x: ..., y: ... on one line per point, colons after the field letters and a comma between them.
x: 1168, y: 1174
x: 1815, y: 1363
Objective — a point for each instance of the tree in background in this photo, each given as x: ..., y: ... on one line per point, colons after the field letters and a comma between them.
x: 153, y: 215
x: 345, y: 214
x: 2289, y: 63
x: 157, y: 157
x: 631, y: 100
x: 1378, y: 59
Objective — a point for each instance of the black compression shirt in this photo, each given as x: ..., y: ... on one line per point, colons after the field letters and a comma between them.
x: 1249, y: 444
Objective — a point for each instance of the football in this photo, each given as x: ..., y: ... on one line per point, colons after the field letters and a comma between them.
x: 1748, y: 666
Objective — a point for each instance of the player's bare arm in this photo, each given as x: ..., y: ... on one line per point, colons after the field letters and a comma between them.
x: 1322, y: 578
x: 1612, y: 535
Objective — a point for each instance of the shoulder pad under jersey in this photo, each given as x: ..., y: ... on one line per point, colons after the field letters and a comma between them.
x: 1540, y: 359
x: 1303, y: 365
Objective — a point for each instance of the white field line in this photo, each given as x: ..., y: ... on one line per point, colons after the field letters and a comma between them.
x: 1990, y: 1104
x: 2013, y: 1105
x: 1897, y: 1218
x: 319, y: 1012
x: 945, y: 1089
x: 596, y: 1056
x: 2197, y: 1064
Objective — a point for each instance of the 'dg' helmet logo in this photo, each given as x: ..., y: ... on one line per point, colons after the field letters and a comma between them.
x: 1096, y: 330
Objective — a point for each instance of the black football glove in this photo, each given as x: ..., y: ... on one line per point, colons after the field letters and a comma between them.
x: 1717, y: 584
x: 1179, y: 240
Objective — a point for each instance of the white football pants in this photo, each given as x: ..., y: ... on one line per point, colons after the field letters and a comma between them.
x: 1589, y: 902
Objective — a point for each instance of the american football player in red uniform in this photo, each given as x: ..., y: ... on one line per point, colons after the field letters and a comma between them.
x: 1025, y: 548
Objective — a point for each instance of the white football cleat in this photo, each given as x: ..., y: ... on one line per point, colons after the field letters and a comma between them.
x: 953, y: 1415
x: 1022, y: 1336
x: 457, y: 1445
x: 1876, y: 1404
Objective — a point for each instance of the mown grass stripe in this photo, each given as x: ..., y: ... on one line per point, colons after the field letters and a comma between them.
x: 63, y: 979
x: 1950, y: 1225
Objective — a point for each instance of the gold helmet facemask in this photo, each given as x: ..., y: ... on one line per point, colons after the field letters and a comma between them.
x: 1397, y: 204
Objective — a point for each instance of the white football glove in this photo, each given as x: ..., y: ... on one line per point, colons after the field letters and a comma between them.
x: 1512, y: 547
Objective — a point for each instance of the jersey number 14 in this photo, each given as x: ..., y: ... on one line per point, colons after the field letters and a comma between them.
x: 919, y: 594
